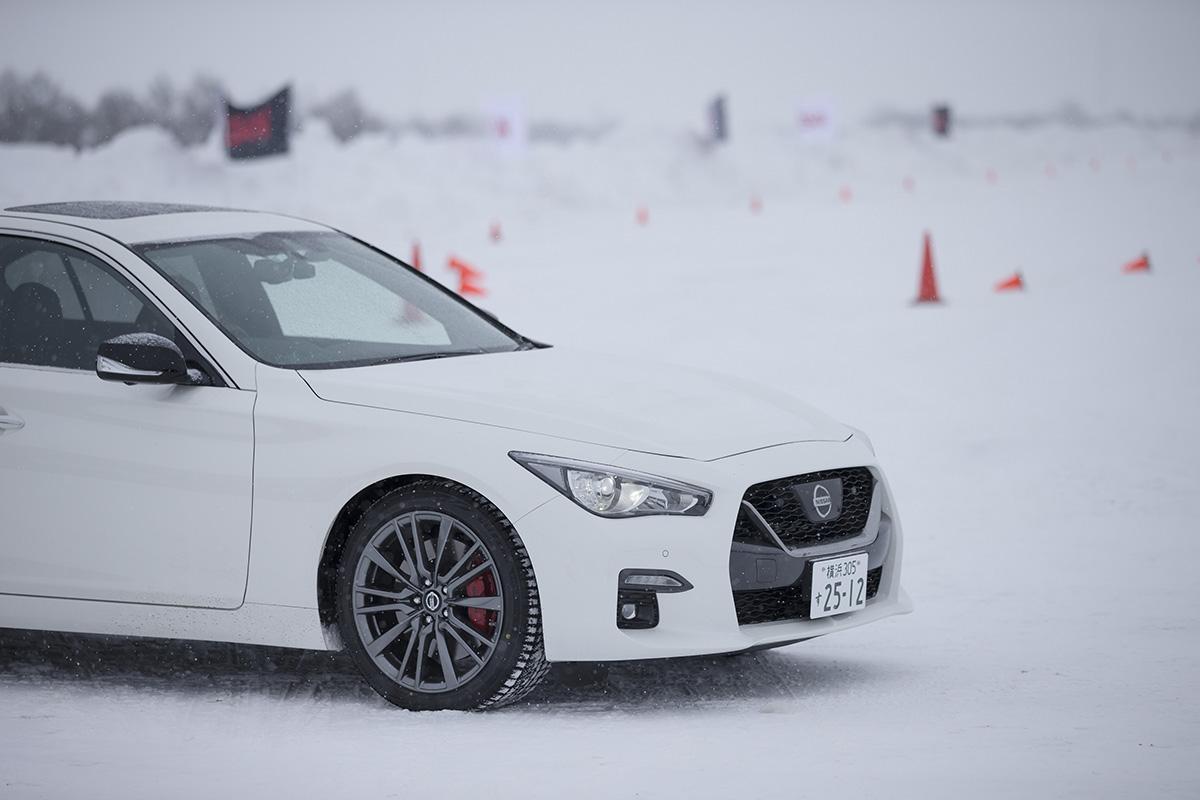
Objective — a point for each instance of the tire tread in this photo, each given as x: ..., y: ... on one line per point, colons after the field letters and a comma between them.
x: 531, y: 666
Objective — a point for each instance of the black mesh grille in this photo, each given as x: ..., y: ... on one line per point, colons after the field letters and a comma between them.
x: 749, y: 531
x: 787, y: 602
x: 779, y: 505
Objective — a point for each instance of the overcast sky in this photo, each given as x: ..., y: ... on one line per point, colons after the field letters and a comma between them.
x: 649, y: 61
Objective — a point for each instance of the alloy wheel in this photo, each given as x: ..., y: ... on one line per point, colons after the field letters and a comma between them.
x: 428, y: 602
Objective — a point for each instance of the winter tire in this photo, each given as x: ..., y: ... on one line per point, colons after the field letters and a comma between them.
x: 437, y: 602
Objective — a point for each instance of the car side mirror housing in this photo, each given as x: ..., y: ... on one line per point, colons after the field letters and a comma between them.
x: 141, y: 358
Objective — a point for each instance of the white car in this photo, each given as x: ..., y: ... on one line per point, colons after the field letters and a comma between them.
x: 245, y: 427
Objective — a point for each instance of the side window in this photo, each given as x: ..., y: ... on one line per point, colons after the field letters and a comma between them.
x: 44, y: 269
x: 57, y: 305
x: 108, y: 299
x: 184, y: 271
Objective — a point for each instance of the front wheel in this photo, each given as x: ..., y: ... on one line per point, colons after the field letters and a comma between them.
x: 437, y: 601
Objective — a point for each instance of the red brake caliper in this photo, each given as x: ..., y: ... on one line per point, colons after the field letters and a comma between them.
x: 482, y: 586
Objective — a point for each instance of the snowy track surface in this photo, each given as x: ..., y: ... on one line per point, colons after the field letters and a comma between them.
x: 1042, y: 446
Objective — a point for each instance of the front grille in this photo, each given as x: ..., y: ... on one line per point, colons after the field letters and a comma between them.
x: 786, y: 602
x: 778, y: 504
x: 747, y: 530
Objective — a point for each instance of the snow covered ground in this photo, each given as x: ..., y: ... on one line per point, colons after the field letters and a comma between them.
x: 1042, y: 446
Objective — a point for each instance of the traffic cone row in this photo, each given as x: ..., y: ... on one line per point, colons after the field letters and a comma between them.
x: 470, y: 279
x: 927, y: 290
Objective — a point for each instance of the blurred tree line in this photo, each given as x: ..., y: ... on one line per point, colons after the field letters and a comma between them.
x: 33, y: 108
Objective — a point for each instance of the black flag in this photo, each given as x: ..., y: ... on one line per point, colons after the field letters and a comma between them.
x: 941, y: 120
x: 258, y: 131
x: 718, y: 122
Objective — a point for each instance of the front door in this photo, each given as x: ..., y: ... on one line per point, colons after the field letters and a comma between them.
x: 132, y: 493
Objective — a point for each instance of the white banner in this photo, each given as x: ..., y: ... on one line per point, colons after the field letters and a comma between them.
x: 815, y: 120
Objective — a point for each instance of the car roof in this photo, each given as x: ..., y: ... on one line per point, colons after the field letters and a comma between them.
x: 138, y: 223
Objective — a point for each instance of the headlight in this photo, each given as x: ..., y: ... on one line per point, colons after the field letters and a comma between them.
x: 612, y: 492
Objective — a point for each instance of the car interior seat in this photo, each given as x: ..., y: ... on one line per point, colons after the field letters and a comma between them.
x: 36, y: 320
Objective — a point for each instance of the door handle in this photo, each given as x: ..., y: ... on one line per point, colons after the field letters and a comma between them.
x: 10, y: 423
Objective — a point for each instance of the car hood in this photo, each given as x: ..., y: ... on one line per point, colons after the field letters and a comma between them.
x: 600, y: 399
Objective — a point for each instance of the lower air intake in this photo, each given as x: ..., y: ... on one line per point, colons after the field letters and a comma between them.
x: 786, y: 602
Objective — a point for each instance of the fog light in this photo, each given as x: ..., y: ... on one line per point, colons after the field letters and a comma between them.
x: 656, y: 580
x: 636, y: 610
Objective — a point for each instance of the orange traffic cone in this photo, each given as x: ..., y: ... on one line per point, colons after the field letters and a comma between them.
x: 468, y: 278
x: 1016, y: 283
x: 845, y: 194
x: 927, y: 293
x: 1141, y: 264
x: 643, y: 215
x: 411, y: 312
x: 755, y: 204
x: 494, y: 232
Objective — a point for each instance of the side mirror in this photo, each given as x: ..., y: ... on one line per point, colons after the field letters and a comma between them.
x: 141, y: 358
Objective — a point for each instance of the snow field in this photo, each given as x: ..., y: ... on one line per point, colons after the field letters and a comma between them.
x: 1042, y: 447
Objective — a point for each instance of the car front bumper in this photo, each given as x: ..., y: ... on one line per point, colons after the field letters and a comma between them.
x: 577, y: 558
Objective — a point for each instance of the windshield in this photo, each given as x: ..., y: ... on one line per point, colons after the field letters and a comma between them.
x: 321, y: 299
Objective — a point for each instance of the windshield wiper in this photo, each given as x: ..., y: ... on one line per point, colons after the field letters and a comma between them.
x: 428, y: 356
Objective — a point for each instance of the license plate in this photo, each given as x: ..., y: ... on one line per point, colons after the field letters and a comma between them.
x: 839, y: 585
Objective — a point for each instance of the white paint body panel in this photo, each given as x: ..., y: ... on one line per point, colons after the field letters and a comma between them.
x: 139, y: 494
x: 322, y: 436
x: 588, y: 397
